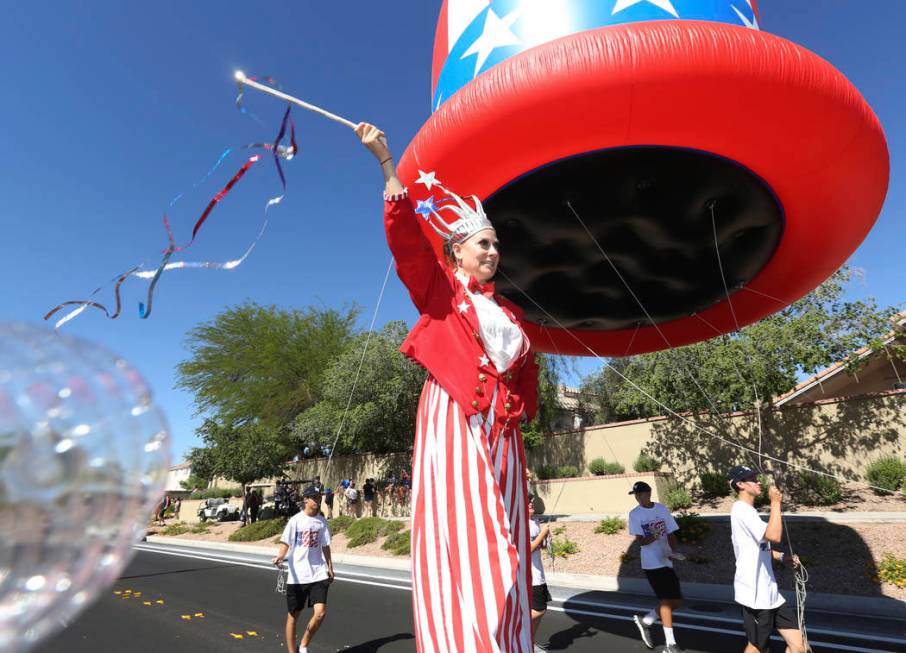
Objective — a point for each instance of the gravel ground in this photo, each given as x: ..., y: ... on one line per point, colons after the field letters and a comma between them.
x: 839, y: 557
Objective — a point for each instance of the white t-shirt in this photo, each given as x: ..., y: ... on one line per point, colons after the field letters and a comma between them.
x: 352, y: 494
x: 537, y: 567
x: 305, y: 537
x: 649, y: 521
x: 754, y: 584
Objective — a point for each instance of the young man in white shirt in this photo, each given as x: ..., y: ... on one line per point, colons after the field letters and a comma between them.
x: 540, y: 594
x: 306, y: 541
x: 764, y: 610
x: 654, y: 528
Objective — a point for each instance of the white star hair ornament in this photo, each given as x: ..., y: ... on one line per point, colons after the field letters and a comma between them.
x: 470, y: 218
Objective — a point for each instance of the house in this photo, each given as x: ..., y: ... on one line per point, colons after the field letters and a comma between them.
x: 879, y: 372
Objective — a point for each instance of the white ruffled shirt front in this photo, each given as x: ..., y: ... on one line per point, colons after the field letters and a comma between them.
x: 503, y: 340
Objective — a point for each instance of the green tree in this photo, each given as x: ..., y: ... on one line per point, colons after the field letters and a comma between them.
x: 381, y: 414
x: 245, y: 452
x: 762, y: 361
x: 202, y: 471
x: 551, y: 370
x: 262, y: 365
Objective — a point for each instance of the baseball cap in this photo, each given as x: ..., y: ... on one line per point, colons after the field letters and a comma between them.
x: 311, y: 491
x: 741, y: 473
x: 640, y: 486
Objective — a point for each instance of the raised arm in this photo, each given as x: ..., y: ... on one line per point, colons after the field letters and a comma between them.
x: 416, y: 264
x: 376, y: 142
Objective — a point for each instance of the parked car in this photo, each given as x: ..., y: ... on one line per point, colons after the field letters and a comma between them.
x: 218, y: 509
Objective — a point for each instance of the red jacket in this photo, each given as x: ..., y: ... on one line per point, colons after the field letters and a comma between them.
x: 446, y: 340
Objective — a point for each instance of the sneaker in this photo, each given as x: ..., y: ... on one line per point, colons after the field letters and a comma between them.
x: 644, y: 631
x: 671, y: 648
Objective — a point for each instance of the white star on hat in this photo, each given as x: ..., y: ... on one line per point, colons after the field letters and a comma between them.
x: 495, y: 34
x: 463, y: 306
x: 751, y: 24
x: 666, y: 5
x: 428, y: 179
x: 483, y: 361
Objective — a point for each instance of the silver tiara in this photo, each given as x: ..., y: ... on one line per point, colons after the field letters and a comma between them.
x: 470, y: 219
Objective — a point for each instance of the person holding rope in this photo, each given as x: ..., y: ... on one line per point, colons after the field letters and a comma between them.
x: 305, y: 543
x: 654, y: 529
x: 469, y: 499
x: 763, y: 608
x: 541, y: 596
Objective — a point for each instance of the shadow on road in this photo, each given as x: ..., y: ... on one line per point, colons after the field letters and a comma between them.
x: 375, y: 645
x: 564, y: 639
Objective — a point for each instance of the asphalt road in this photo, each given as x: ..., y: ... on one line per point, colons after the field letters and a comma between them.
x: 172, y: 603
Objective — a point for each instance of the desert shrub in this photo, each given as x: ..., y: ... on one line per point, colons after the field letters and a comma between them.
x: 259, y: 530
x: 545, y: 472
x: 601, y: 467
x: 563, y: 547
x: 677, y: 498
x: 692, y: 528
x: 392, y: 526
x: 610, y: 525
x: 818, y: 489
x: 216, y: 493
x: 202, y: 527
x: 175, y: 529
x: 364, y: 531
x: 398, y: 544
x: 714, y: 485
x: 340, y: 523
x: 646, y: 463
x: 567, y: 471
x: 887, y: 473
x: 892, y: 570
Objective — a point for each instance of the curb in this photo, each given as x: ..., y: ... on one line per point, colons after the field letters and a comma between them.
x: 830, y: 517
x: 269, y: 551
x: 869, y: 606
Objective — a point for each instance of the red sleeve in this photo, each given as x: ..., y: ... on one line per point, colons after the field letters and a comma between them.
x: 528, y: 386
x: 416, y: 264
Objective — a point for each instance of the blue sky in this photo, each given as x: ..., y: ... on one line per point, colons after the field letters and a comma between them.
x: 113, y: 108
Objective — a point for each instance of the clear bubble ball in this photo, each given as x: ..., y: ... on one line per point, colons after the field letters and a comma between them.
x: 83, y: 461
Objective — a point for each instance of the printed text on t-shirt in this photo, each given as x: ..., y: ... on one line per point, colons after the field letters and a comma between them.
x: 307, y: 538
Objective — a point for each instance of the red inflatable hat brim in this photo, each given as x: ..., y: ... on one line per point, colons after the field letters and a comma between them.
x: 761, y: 101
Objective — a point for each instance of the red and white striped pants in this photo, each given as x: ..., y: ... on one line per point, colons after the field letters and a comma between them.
x: 470, y: 540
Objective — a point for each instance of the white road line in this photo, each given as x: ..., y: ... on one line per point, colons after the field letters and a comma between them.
x: 724, y: 631
x: 268, y: 567
x: 729, y: 620
x: 598, y: 614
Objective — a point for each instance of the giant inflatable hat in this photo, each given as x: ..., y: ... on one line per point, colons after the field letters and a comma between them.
x: 658, y: 171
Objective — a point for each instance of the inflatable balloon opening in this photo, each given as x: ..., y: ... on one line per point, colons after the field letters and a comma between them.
x: 659, y: 171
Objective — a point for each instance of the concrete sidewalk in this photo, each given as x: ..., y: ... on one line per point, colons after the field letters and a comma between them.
x: 868, y: 606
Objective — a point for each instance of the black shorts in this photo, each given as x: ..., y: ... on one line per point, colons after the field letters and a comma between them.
x: 540, y: 597
x: 300, y: 596
x: 664, y: 582
x: 761, y: 624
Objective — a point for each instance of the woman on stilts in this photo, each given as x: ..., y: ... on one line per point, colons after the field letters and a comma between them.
x: 470, y: 525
